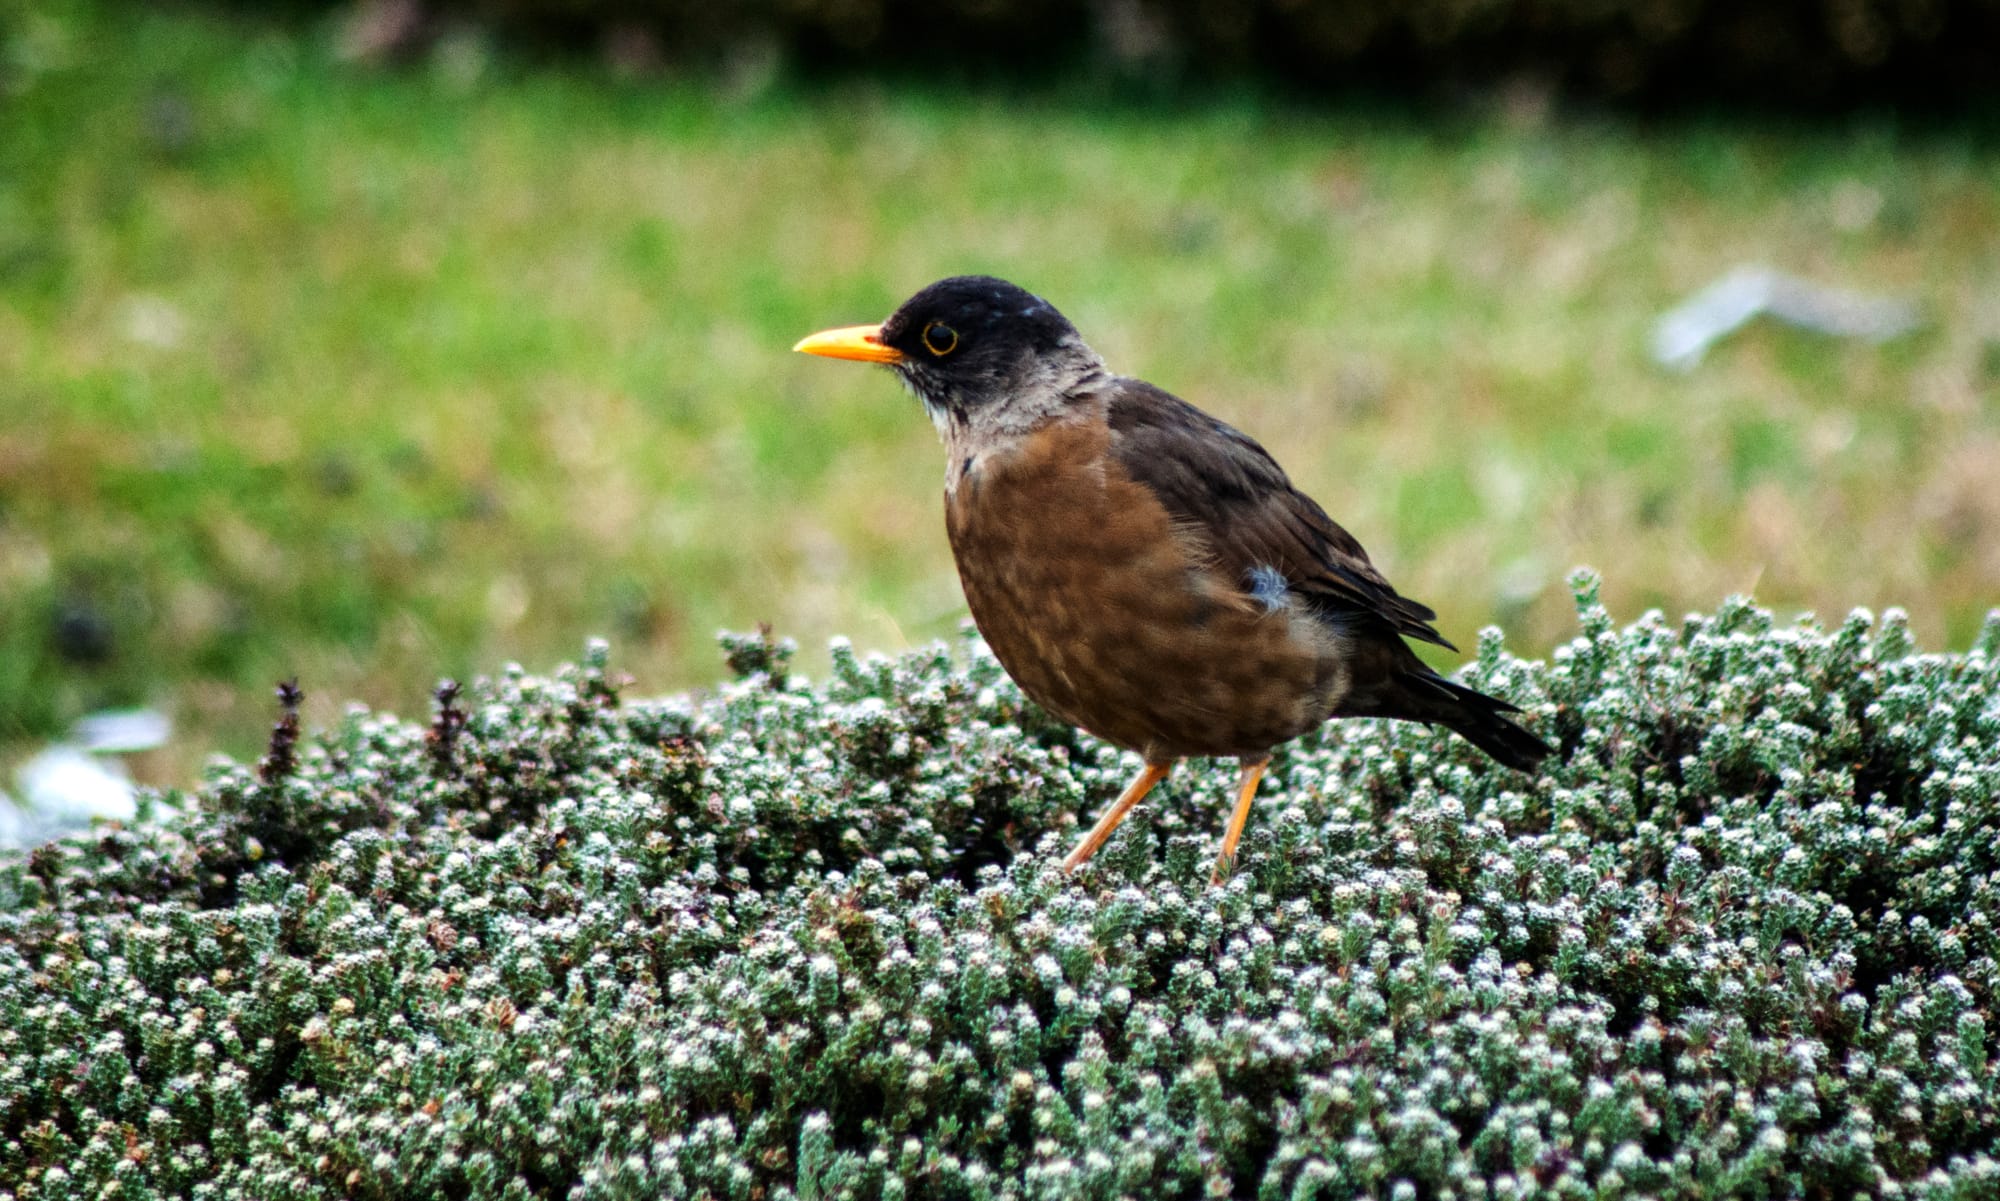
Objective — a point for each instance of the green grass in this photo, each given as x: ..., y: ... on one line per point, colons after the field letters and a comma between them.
x: 374, y: 377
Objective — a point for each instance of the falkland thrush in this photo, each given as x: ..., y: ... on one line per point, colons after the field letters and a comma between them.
x: 1142, y: 569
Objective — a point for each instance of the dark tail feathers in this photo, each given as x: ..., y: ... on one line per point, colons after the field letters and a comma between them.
x: 1479, y: 719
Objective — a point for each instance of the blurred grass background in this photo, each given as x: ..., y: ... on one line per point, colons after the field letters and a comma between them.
x: 375, y: 376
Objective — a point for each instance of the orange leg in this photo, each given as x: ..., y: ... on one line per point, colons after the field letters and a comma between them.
x: 1154, y: 773
x: 1246, y: 791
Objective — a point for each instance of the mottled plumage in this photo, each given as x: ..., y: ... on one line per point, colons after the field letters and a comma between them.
x: 1143, y: 569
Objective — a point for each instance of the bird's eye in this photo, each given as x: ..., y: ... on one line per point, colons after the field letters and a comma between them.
x: 940, y: 339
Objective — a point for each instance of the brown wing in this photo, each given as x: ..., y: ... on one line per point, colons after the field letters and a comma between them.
x: 1218, y: 481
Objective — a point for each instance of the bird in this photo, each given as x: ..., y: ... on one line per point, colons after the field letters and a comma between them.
x: 1147, y: 571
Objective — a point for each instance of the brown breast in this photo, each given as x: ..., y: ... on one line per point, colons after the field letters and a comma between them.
x: 1111, y: 618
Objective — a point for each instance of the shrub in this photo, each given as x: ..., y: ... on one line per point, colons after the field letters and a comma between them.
x: 1690, y: 50
x: 806, y: 941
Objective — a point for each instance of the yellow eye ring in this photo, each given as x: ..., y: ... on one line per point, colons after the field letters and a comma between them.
x: 940, y: 339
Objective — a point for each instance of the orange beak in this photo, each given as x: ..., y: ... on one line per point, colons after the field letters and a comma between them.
x: 859, y: 342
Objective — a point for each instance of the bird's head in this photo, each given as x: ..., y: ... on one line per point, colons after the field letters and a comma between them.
x: 973, y: 348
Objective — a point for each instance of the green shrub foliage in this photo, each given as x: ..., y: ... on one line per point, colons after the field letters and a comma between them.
x: 798, y: 941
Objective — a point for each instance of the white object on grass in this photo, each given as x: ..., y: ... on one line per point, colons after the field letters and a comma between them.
x: 1684, y: 333
x: 68, y: 785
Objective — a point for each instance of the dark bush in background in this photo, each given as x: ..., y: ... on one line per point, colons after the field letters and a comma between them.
x: 1787, y: 51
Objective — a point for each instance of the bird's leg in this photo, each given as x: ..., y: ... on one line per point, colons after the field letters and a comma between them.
x: 1136, y: 792
x: 1246, y: 791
